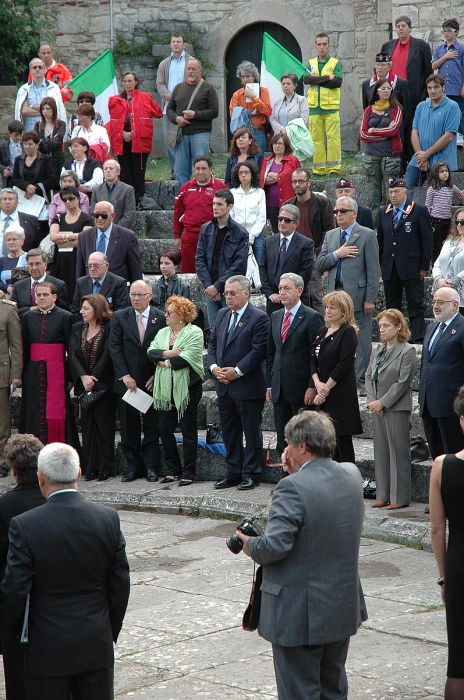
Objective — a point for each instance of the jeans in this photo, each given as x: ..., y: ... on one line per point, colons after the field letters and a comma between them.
x: 378, y: 169
x: 412, y: 176
x: 190, y: 146
x: 171, y: 151
x: 260, y: 138
x: 257, y: 246
x: 212, y: 308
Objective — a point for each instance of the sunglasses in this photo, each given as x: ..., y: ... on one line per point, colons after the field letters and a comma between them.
x: 100, y: 215
x: 459, y: 222
x: 68, y: 199
x: 286, y: 219
x: 342, y: 211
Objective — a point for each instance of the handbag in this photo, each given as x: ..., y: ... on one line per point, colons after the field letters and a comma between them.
x: 88, y: 398
x: 419, y: 450
x: 175, y: 131
x: 47, y: 246
x: 419, y: 193
x: 251, y: 615
x: 213, y: 433
x: 252, y: 271
x: 369, y: 488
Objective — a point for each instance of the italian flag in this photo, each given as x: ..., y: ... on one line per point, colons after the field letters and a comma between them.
x: 100, y: 79
x: 276, y: 60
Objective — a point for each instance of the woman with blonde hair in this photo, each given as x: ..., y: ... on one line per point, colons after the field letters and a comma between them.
x: 333, y: 372
x: 448, y: 269
x: 388, y: 384
x: 177, y: 352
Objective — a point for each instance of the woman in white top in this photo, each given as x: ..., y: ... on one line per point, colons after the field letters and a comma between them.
x: 249, y: 203
x: 448, y: 270
x: 87, y: 169
x: 290, y: 106
x: 87, y: 129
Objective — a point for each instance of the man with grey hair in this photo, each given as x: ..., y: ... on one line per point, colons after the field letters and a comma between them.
x: 256, y: 101
x: 24, y: 291
x: 317, y: 510
x: 193, y: 105
x: 119, y: 244
x: 292, y: 332
x: 286, y: 251
x: 31, y: 94
x: 100, y: 281
x: 9, y: 215
x: 120, y: 195
x: 236, y: 354
x: 70, y: 584
x: 350, y: 254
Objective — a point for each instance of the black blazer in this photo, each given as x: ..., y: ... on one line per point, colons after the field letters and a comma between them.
x: 299, y: 259
x: 22, y: 294
x: 246, y: 350
x: 114, y: 289
x: 76, y: 570
x: 5, y: 161
x: 288, y: 368
x: 128, y: 356
x: 122, y: 252
x: 31, y: 228
x: 43, y: 175
x: 89, y: 167
x: 364, y: 217
x: 410, y: 247
x: 103, y: 369
x: 418, y: 69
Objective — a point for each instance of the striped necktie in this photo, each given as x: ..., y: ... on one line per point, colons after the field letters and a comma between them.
x: 286, y: 325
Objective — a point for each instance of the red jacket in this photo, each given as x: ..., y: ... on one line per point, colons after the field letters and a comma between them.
x: 391, y: 132
x: 142, y: 109
x: 193, y: 206
x: 284, y: 177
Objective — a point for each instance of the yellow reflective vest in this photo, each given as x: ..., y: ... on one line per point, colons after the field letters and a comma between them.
x: 329, y: 98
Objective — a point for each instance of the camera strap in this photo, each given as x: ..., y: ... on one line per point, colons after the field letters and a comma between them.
x: 251, y: 615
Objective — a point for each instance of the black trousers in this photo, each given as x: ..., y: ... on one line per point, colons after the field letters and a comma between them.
x: 140, y: 455
x: 238, y: 418
x: 91, y: 685
x: 414, y: 290
x: 283, y: 411
x: 344, y: 451
x: 441, y: 229
x: 13, y: 665
x: 189, y: 427
x: 133, y: 166
x: 444, y: 435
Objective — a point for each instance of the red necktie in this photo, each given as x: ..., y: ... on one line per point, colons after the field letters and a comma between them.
x: 285, y: 325
x: 141, y: 328
x: 33, y: 297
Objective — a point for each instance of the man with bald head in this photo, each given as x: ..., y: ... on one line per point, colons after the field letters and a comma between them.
x: 100, y: 280
x: 120, y: 195
x: 119, y: 244
x: 442, y: 373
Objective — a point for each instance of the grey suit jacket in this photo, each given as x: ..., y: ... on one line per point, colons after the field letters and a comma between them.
x: 311, y: 592
x: 361, y: 275
x: 122, y: 198
x: 393, y: 387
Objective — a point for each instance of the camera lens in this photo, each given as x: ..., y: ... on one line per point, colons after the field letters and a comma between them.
x: 235, y: 544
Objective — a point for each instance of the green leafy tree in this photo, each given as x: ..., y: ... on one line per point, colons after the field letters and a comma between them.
x: 24, y: 25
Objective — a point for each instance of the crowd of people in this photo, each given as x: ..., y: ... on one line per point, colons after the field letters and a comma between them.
x: 95, y: 324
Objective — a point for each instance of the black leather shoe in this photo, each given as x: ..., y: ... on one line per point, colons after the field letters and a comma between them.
x: 225, y: 484
x: 102, y: 476
x: 152, y: 476
x: 248, y: 484
x: 130, y: 476
x: 167, y: 480
x: 185, y: 482
x: 90, y: 477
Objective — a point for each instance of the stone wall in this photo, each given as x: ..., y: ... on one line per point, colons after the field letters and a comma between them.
x: 357, y: 28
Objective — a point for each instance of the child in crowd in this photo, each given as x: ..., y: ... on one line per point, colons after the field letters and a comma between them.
x: 9, y: 150
x: 439, y: 200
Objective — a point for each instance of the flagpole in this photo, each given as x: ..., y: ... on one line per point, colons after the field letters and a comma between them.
x: 111, y: 26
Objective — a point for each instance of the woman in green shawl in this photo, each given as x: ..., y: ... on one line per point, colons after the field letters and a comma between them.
x: 177, y: 386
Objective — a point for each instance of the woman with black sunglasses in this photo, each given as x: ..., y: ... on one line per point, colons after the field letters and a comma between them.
x: 64, y: 232
x: 448, y: 269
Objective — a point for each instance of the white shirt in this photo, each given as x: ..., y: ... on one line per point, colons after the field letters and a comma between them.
x: 438, y: 328
x: 95, y: 134
x: 145, y: 315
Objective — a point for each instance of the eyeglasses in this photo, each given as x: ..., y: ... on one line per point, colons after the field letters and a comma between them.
x: 342, y: 211
x: 244, y: 172
x: 384, y: 88
x: 440, y: 302
x: 449, y: 31
x: 100, y: 215
x: 71, y: 198
x: 169, y: 313
x: 286, y: 219
x: 137, y: 294
x: 278, y: 143
x: 230, y: 294
x: 459, y: 222
x: 299, y: 182
x: 91, y: 265
x: 36, y: 67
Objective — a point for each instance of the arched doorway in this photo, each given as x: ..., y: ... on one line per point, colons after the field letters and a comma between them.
x: 247, y: 45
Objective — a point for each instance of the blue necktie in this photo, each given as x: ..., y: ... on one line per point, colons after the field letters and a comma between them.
x: 101, y: 246
x: 232, y: 327
x: 96, y: 287
x: 396, y: 218
x: 441, y: 330
x: 343, y: 240
x: 8, y: 219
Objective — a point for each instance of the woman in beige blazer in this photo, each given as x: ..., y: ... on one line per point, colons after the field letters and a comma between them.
x: 388, y: 383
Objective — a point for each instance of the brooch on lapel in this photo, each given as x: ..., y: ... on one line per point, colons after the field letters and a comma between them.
x: 356, y: 235
x: 453, y: 332
x: 154, y: 320
x: 240, y: 324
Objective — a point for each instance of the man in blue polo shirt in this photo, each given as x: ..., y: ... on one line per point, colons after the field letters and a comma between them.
x: 434, y: 129
x: 448, y: 60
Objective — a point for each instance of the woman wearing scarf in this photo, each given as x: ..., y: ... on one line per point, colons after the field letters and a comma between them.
x: 388, y: 384
x: 177, y: 352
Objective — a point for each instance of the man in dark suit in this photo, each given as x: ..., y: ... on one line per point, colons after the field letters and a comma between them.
x: 10, y: 149
x: 442, y: 374
x: 236, y: 354
x: 119, y: 245
x: 75, y: 571
x: 350, y: 255
x: 101, y: 281
x: 120, y: 195
x: 405, y: 239
x: 288, y: 379
x: 9, y: 215
x: 346, y: 188
x: 309, y: 552
x: 24, y: 293
x: 133, y: 329
x: 287, y: 251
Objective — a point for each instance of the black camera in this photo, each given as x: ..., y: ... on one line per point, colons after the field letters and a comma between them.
x: 249, y: 526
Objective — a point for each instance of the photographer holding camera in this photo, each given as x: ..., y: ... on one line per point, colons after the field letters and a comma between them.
x: 312, y: 600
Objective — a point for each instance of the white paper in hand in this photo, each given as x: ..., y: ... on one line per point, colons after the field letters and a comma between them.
x: 138, y: 399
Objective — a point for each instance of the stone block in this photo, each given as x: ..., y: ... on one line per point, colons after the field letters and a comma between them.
x: 168, y: 191
x: 159, y: 224
x: 341, y: 20
x: 152, y: 188
x: 149, y: 250
x: 345, y: 47
x: 139, y: 227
